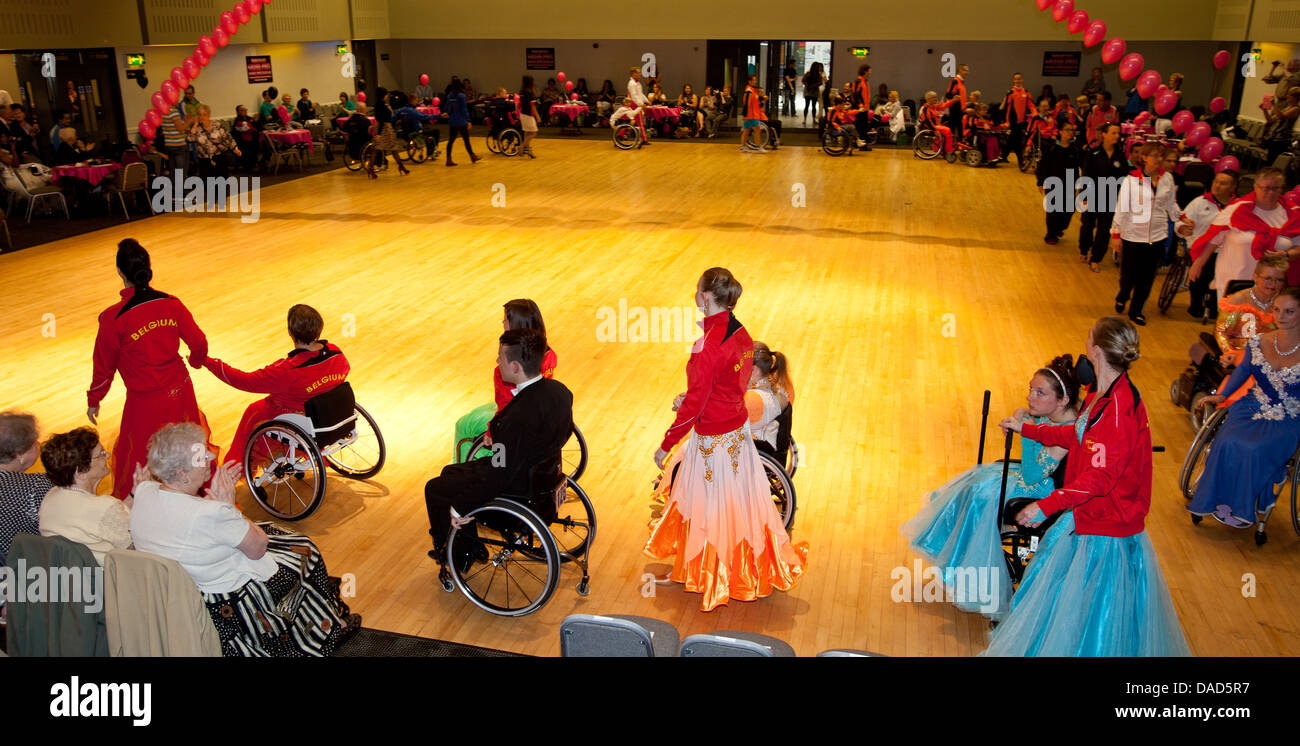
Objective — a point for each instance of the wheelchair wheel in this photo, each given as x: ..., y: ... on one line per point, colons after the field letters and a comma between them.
x: 1295, y: 492
x: 284, y: 470
x: 1028, y: 158
x: 1194, y: 464
x: 926, y: 145
x: 626, y: 137
x: 511, y: 142
x: 835, y: 144
x: 782, y: 488
x: 762, y: 135
x: 792, y: 459
x: 361, y: 455
x: 1173, y: 281
x: 973, y: 157
x: 574, y: 527
x: 350, y: 163
x: 417, y: 150
x: 573, y: 454
x: 493, y: 144
x: 522, y: 568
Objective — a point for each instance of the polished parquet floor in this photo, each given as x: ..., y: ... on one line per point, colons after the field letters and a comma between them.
x: 899, y: 290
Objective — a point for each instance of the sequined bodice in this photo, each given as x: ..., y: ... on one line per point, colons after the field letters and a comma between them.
x: 1036, y: 466
x: 1276, y: 393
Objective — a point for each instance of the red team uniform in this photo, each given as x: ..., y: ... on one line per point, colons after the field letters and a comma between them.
x: 140, y: 338
x: 301, y: 375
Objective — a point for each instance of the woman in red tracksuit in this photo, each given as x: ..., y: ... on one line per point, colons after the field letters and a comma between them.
x: 1095, y: 587
x: 719, y: 519
x: 313, y: 367
x: 140, y: 338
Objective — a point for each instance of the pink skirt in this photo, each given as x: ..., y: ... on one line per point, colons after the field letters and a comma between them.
x: 720, y: 523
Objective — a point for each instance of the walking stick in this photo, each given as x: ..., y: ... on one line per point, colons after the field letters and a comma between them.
x: 984, y: 424
x: 1006, y: 466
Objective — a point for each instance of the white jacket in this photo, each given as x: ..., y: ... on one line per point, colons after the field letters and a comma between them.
x: 1140, y: 215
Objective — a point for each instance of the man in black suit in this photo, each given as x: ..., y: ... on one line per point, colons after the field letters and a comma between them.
x: 531, y: 429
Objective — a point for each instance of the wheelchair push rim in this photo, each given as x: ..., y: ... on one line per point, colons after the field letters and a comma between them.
x: 284, y: 471
x: 1194, y: 463
x: 510, y: 141
x: 835, y: 144
x: 626, y: 137
x: 362, y: 453
x: 522, y: 568
x: 573, y: 454
x: 781, y: 487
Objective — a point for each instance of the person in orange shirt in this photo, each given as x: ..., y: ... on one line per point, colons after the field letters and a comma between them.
x: 752, y: 103
x: 955, y: 100
x: 862, y: 103
x: 1019, y: 108
x: 842, y: 118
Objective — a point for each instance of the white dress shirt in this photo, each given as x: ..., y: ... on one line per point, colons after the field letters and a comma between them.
x: 635, y: 93
x: 520, y: 387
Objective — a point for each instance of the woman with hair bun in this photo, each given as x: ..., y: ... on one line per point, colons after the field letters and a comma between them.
x: 139, y: 337
x: 1095, y: 587
x: 959, y: 527
x: 719, y: 519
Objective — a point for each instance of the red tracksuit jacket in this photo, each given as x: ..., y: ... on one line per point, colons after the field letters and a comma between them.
x: 140, y: 338
x: 717, y: 376
x: 290, y: 381
x: 1108, y: 475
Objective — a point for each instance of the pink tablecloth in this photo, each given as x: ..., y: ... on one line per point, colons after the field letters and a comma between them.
x: 338, y: 121
x: 663, y: 112
x: 573, y: 111
x: 293, y: 137
x: 92, y: 174
x: 429, y: 111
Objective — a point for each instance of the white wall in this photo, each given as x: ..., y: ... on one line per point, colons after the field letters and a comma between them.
x: 223, y: 84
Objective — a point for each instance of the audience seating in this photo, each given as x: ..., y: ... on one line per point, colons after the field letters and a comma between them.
x: 54, y: 628
x: 133, y: 177
x: 847, y: 653
x: 19, y: 190
x: 731, y: 644
x: 616, y: 636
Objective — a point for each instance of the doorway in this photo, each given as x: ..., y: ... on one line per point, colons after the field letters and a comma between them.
x: 84, y: 82
x: 795, y: 59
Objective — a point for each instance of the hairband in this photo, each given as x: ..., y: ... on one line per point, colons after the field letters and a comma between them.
x: 1064, y: 389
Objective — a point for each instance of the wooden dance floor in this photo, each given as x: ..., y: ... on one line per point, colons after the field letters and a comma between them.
x: 899, y: 290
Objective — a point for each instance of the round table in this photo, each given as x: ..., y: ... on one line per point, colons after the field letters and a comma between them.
x: 292, y: 137
x: 85, y: 172
x: 338, y: 121
x: 432, y: 111
x: 575, y: 111
x: 660, y: 113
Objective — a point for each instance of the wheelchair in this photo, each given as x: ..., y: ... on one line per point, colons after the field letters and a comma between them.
x: 1020, y: 543
x: 1194, y: 468
x: 1175, y: 277
x: 627, y: 135
x: 928, y: 144
x: 1032, y: 153
x: 505, y: 136
x: 285, y: 458
x: 421, y: 144
x: 518, y: 544
x: 573, y: 454
x: 836, y: 142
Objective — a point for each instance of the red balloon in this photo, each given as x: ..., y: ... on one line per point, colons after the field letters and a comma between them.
x: 1130, y: 66
x: 1078, y: 21
x: 192, y: 68
x: 147, y: 131
x: 229, y: 23
x: 208, y: 46
x: 437, y: 101
x: 1166, y: 102
x: 424, y: 79
x: 157, y: 100
x: 254, y: 6
x: 170, y: 93
x: 1112, y: 50
x: 1147, y: 83
x: 1217, y: 104
x: 1197, y: 134
x: 1043, y: 4
x: 242, y: 15
x: 1062, y: 9
x: 1095, y: 33
x: 1211, y: 150
x: 179, y: 79
x: 573, y: 97
x: 361, y: 96
x: 201, y: 58
x: 153, y: 117
x: 220, y: 36
x: 1142, y: 118
x: 1227, y: 163
x: 560, y: 77
x: 1221, y: 59
x: 568, y: 85
x: 1183, y: 121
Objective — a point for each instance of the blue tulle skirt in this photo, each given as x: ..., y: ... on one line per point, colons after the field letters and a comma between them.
x: 1088, y: 595
x: 958, y: 532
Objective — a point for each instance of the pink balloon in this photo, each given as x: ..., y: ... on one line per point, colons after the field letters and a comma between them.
x: 192, y: 68
x: 516, y: 98
x: 170, y: 93
x: 1227, y: 163
x: 1147, y: 83
x: 1095, y: 33
x: 147, y: 131
x: 153, y: 117
x: 1217, y: 104
x: 1221, y: 59
x: 1112, y: 50
x: 1142, y: 118
x: 573, y: 97
x: 1078, y: 21
x: 229, y: 23
x: 1197, y: 134
x: 1062, y: 9
x: 1211, y: 150
x: 220, y: 36
x: 201, y: 58
x: 1183, y: 121
x: 361, y: 96
x: 1043, y: 4
x: 157, y: 100
x: 1130, y: 66
x: 568, y: 85
x: 424, y: 79
x: 179, y: 79
x: 208, y: 46
x: 254, y: 6
x: 560, y: 77
x: 242, y: 15
x: 437, y: 101
x: 1166, y: 102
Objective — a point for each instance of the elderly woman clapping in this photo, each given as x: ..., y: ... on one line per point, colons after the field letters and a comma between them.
x: 266, y: 590
x: 213, y: 143
x: 76, y: 462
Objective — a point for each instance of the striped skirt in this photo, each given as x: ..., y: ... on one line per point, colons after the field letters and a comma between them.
x: 251, y: 621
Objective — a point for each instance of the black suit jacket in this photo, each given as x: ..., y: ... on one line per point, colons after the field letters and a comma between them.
x: 533, y: 427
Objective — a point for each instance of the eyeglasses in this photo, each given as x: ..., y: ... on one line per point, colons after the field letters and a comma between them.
x: 1268, y: 189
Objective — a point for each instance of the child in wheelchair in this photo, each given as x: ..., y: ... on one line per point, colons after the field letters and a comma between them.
x: 980, y: 135
x: 840, y: 121
x: 313, y: 367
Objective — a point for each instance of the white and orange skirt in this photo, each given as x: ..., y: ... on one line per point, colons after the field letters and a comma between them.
x: 720, y: 524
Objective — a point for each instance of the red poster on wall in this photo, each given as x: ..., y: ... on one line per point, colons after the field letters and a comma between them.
x: 259, y: 68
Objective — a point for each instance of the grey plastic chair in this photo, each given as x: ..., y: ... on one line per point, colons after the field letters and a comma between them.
x: 847, y: 653
x: 732, y: 644
x: 616, y: 636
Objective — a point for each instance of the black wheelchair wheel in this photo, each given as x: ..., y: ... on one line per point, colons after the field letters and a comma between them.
x: 782, y: 488
x: 835, y: 143
x: 926, y: 146
x: 493, y: 145
x: 1194, y: 463
x: 417, y: 150
x: 573, y: 454
x: 522, y: 565
x: 1173, y: 281
x: 511, y: 142
x: 626, y: 136
x: 574, y: 527
x: 362, y: 453
x: 352, y: 163
x: 284, y: 470
x: 1295, y: 493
